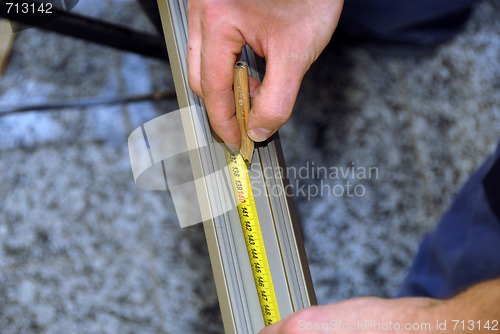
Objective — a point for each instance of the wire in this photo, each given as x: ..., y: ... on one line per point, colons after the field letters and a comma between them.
x: 85, y: 103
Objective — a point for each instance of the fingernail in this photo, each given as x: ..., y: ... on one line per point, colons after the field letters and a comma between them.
x: 233, y: 148
x: 259, y: 134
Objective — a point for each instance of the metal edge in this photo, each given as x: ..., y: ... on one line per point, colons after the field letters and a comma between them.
x: 295, y: 229
x: 209, y: 225
x: 287, y: 208
x: 284, y: 208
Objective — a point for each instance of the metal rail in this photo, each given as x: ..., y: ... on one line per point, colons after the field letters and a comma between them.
x: 231, y: 267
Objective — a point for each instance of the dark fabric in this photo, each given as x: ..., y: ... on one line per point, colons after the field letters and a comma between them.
x: 464, y: 249
x: 420, y: 22
x: 491, y: 184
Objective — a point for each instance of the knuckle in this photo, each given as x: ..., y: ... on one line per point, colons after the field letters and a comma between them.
x: 277, y: 116
x: 212, y: 88
x: 282, y: 117
x: 194, y: 84
x: 212, y: 10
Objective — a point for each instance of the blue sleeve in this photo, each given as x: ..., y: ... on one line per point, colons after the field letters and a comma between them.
x: 464, y: 248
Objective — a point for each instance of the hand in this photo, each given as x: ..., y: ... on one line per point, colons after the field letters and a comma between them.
x: 289, y: 34
x: 363, y: 315
x: 476, y: 310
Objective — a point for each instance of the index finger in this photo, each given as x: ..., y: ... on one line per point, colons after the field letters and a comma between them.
x: 219, y: 53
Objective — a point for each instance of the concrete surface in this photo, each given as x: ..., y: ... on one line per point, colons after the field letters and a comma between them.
x: 83, y: 251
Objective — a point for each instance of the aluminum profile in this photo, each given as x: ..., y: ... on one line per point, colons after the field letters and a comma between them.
x: 236, y: 290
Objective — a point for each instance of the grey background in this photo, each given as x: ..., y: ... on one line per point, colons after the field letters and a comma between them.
x: 82, y: 250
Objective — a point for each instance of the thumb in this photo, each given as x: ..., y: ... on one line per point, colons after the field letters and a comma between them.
x: 274, y: 99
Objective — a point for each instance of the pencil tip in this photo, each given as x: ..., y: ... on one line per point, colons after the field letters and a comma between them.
x: 247, y: 155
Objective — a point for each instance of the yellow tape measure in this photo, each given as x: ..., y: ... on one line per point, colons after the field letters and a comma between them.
x: 253, y: 237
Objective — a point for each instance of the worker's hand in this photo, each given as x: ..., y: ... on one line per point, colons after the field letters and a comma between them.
x: 289, y: 34
x: 363, y: 315
x: 476, y: 310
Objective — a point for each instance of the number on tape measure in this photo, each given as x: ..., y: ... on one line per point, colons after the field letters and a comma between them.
x: 253, y: 238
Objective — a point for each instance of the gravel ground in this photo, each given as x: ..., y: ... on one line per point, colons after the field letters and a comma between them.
x: 82, y: 250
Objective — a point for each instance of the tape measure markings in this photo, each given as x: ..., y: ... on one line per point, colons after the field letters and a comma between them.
x: 254, y: 240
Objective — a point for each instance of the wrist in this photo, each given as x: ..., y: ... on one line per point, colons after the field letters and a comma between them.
x: 423, y: 314
x: 476, y: 310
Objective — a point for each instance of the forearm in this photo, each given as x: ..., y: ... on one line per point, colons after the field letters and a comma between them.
x: 476, y: 310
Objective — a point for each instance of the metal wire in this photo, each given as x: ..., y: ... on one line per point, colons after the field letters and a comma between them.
x: 90, y: 102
